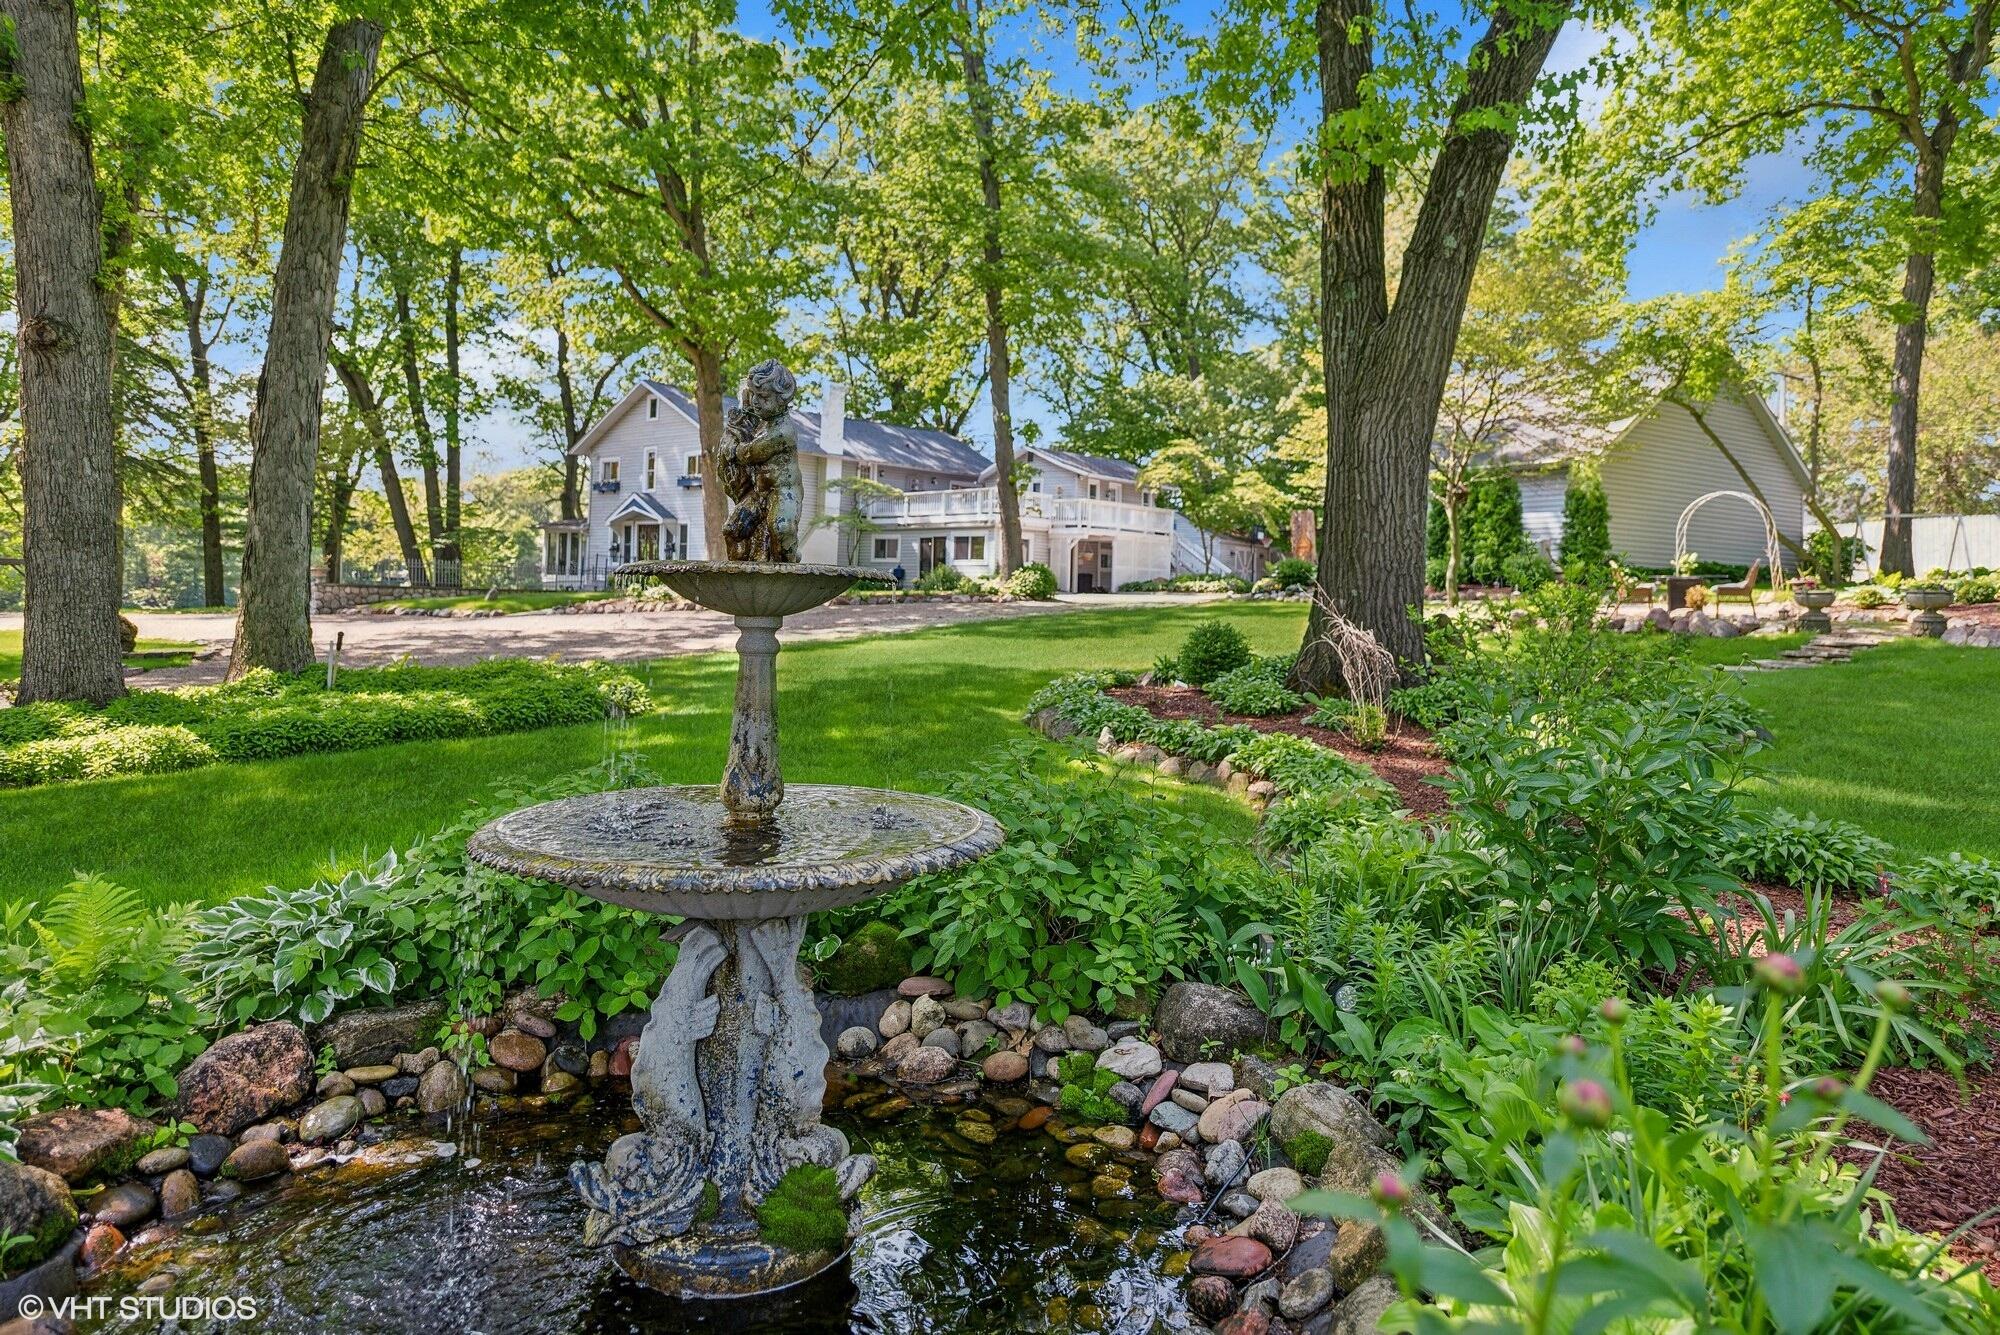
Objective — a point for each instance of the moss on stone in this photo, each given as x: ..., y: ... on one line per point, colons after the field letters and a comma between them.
x: 1086, y: 1088
x: 874, y: 956
x: 710, y: 1204
x: 804, y: 1212
x: 1308, y: 1151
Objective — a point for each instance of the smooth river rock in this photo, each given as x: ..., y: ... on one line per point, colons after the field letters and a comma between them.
x: 246, y: 1077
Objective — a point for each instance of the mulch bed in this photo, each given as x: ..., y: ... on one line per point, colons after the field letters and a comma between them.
x: 1938, y: 1186
x: 1406, y: 761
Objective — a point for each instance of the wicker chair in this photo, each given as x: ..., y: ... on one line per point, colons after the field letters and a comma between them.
x: 1746, y: 588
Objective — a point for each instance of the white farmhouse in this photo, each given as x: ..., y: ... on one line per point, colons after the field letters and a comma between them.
x: 1085, y: 517
x: 1656, y: 463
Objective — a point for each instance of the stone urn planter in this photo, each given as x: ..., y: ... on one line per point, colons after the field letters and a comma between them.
x: 1815, y: 601
x: 1924, y: 600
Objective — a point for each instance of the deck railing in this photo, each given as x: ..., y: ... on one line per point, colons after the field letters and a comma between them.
x: 982, y: 505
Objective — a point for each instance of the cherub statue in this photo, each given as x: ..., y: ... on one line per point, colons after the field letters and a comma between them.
x: 759, y: 468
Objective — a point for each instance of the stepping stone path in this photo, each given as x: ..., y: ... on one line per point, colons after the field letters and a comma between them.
x: 1836, y: 646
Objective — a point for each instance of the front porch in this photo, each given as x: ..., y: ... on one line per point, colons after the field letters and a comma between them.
x: 579, y: 555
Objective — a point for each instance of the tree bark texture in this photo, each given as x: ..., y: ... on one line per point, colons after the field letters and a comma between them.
x: 69, y: 456
x: 362, y: 395
x: 420, y: 422
x: 274, y: 615
x: 1919, y: 278
x: 999, y: 360
x: 1386, y: 366
x: 454, y: 284
x: 201, y: 425
x: 708, y: 423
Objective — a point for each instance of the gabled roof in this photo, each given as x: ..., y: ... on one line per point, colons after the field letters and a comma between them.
x: 1090, y: 465
x: 1548, y: 436
x: 870, y: 441
x: 646, y: 506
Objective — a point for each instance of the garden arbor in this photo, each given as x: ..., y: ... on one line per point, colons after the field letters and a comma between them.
x: 1772, y: 555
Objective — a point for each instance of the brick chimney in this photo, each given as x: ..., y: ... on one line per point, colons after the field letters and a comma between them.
x: 833, y: 419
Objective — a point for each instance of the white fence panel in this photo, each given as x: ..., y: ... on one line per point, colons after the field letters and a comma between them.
x: 1939, y: 542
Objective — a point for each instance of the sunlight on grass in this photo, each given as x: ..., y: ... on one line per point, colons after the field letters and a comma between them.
x: 895, y: 711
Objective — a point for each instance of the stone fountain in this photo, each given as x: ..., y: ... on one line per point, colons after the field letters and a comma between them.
x: 729, y: 1073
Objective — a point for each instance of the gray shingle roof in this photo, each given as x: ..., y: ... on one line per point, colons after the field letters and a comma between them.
x: 876, y: 442
x: 1095, y: 465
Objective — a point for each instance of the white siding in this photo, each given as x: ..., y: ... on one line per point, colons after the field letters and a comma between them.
x: 1666, y: 461
x: 1542, y: 508
x: 627, y: 440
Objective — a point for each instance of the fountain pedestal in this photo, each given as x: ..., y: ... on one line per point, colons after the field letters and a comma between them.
x: 729, y: 1072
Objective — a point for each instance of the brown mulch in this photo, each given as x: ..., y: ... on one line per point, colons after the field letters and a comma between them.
x: 1406, y: 761
x: 1938, y: 1186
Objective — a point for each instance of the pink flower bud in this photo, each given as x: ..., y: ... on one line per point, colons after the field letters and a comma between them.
x: 1615, y: 1010
x: 1586, y: 1103
x: 1781, y: 973
x: 1572, y: 1045
x: 1389, y: 1191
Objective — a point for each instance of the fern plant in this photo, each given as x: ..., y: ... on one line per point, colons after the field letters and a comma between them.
x: 103, y: 1013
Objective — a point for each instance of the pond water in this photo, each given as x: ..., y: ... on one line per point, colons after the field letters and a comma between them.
x: 479, y: 1232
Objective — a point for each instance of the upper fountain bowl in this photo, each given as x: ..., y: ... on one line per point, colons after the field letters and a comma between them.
x: 752, y: 588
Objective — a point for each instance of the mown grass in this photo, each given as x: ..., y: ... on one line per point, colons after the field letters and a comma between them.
x: 893, y: 711
x: 10, y: 654
x: 1903, y: 741
x: 500, y: 602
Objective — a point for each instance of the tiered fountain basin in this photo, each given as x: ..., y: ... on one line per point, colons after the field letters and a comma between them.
x: 733, y: 1188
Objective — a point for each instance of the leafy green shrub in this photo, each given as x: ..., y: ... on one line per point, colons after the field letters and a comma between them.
x: 1806, y: 852
x: 1586, y: 536
x: 1033, y: 580
x: 873, y: 956
x: 1091, y: 899
x: 1606, y: 1211
x: 1298, y: 766
x: 1292, y: 572
x: 1188, y: 584
x: 1257, y: 688
x: 303, y: 954
x: 1331, y: 713
x: 429, y: 924
x: 1526, y: 569
x: 1435, y: 570
x: 1493, y: 528
x: 1211, y: 649
x: 941, y: 578
x: 95, y: 1007
x: 804, y: 1213
x: 264, y: 715
x: 1166, y: 669
x: 1975, y: 589
x: 1964, y: 891
x: 134, y: 750
x: 1867, y: 596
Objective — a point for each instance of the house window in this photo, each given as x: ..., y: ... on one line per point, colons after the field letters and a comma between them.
x: 607, y: 471
x: 1111, y: 493
x: 1036, y: 485
x: 684, y: 537
x: 1093, y: 491
x: 1025, y: 557
x: 968, y: 547
x: 886, y: 549
x: 652, y: 409
x: 652, y: 469
x: 693, y: 466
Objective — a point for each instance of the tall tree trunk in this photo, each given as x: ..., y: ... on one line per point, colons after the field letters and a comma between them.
x: 69, y: 455
x: 201, y: 424
x: 572, y: 501
x: 274, y: 616
x: 420, y: 422
x: 454, y: 279
x: 708, y: 421
x: 1919, y: 277
x: 999, y: 362
x: 1386, y: 367
x: 362, y: 395
x: 340, y: 503
x: 1452, y: 546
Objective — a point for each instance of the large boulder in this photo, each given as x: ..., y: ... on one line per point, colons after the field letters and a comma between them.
x: 35, y: 1204
x: 1327, y: 1110
x: 1201, y: 1022
x: 247, y: 1077
x: 369, y: 1037
x: 73, y: 1143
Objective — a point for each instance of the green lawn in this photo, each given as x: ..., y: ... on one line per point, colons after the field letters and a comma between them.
x: 182, y: 650
x: 1903, y: 741
x: 500, y: 602
x: 891, y: 711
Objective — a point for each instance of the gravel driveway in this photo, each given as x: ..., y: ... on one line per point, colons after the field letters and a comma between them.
x: 618, y: 636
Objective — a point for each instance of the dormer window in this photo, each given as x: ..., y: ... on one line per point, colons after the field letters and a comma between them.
x: 652, y: 409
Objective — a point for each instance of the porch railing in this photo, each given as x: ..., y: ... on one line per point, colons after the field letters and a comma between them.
x: 982, y: 505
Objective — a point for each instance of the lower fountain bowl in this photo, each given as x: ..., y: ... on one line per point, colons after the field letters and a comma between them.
x: 674, y: 850
x: 752, y: 588
x: 703, y: 1267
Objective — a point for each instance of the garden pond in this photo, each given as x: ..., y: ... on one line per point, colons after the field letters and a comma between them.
x: 477, y: 1229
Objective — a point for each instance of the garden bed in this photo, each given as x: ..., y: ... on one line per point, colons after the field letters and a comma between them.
x: 1407, y: 760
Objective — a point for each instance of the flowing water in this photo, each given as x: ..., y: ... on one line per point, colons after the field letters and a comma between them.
x: 481, y: 1233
